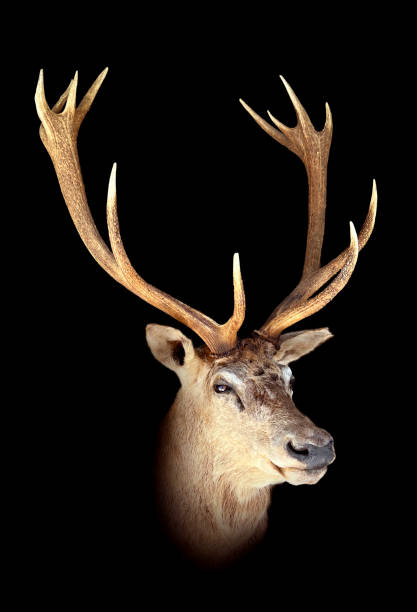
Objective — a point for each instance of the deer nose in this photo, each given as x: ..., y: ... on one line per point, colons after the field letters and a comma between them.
x: 313, y: 456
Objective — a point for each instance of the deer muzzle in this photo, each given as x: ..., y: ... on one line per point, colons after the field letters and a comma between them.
x: 312, y: 456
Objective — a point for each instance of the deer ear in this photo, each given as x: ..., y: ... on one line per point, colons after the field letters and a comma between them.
x: 169, y: 346
x: 294, y: 345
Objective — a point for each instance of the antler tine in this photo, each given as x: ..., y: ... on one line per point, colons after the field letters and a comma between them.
x: 277, y: 135
x: 307, y: 286
x: 313, y: 148
x: 219, y: 338
x: 275, y: 325
x: 59, y: 131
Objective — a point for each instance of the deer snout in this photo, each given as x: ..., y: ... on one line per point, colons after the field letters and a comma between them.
x: 313, y: 456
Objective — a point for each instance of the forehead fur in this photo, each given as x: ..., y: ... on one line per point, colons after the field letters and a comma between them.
x: 252, y: 356
x: 251, y: 369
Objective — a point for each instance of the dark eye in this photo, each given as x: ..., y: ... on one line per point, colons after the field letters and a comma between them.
x: 292, y: 381
x: 222, y: 388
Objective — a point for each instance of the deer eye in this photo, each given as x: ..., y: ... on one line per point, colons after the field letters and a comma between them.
x: 222, y: 388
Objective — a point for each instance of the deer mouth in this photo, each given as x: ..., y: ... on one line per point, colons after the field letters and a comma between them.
x: 277, y: 468
x: 301, y: 475
x: 299, y: 469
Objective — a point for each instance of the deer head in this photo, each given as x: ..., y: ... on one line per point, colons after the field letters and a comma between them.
x: 244, y: 400
x: 236, y: 394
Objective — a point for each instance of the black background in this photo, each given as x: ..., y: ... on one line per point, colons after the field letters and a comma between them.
x: 197, y: 181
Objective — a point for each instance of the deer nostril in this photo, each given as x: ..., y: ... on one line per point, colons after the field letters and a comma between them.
x: 311, y: 455
x: 297, y: 451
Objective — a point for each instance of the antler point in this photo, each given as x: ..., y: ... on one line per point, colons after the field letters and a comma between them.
x: 353, y: 234
x: 278, y: 123
x: 374, y: 196
x: 112, y: 182
x: 286, y: 84
x: 42, y: 106
x: 236, y: 264
x: 72, y: 93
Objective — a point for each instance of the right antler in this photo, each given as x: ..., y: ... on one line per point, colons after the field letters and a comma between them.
x: 59, y: 131
x: 312, y: 148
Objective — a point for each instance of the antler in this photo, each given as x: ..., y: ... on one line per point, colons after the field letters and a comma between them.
x: 313, y: 147
x: 58, y: 132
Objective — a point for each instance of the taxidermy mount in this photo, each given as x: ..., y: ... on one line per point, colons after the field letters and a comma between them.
x: 233, y: 431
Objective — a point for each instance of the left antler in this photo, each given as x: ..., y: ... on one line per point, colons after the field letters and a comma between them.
x: 59, y: 131
x: 312, y: 148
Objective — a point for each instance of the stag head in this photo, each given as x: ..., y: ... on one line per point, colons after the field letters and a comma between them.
x: 244, y: 402
x: 244, y: 386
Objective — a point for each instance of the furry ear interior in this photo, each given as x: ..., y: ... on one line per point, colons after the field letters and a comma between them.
x: 297, y: 344
x: 169, y: 346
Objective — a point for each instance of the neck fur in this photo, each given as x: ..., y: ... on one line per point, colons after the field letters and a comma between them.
x: 209, y: 507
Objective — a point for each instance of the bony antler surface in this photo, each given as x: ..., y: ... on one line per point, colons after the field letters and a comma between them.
x: 312, y: 147
x: 59, y: 131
